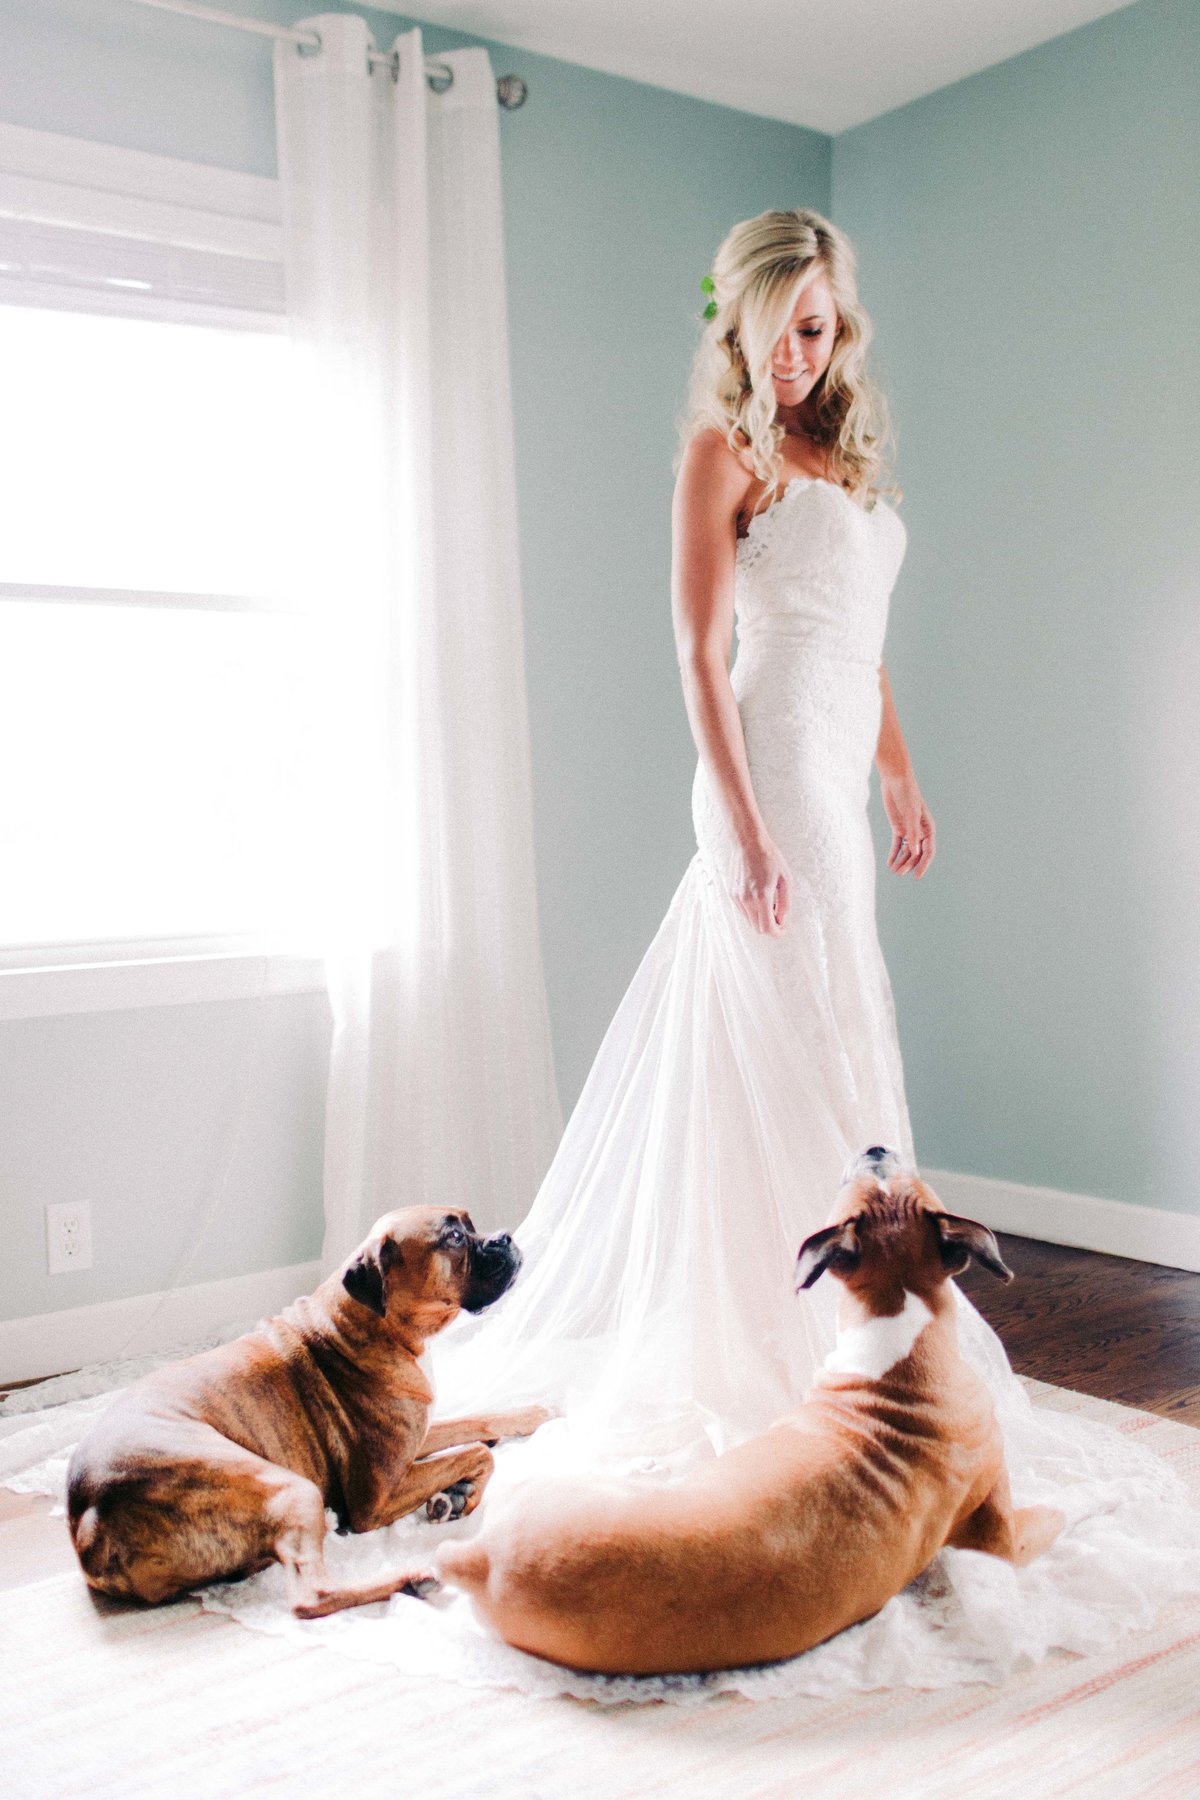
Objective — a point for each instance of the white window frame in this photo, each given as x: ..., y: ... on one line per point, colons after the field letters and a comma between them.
x: 50, y: 180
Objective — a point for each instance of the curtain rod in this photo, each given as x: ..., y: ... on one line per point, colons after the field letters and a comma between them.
x: 510, y: 89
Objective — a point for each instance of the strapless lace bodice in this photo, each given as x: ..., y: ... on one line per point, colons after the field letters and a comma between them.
x: 813, y: 580
x: 817, y: 568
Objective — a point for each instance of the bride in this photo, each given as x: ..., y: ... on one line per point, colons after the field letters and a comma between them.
x: 755, y: 1051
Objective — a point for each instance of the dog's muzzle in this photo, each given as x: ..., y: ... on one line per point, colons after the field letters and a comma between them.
x: 879, y: 1160
x: 493, y: 1269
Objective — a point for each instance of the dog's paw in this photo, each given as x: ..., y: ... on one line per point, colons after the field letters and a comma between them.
x: 422, y: 1587
x: 451, y: 1503
x: 526, y: 1420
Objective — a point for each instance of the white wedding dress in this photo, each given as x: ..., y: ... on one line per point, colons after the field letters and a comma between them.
x: 737, y: 1079
x: 741, y: 1071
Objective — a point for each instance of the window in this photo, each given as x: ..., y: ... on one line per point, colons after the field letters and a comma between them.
x: 159, y: 698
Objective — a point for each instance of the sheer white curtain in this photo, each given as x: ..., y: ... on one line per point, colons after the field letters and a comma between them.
x: 404, y: 542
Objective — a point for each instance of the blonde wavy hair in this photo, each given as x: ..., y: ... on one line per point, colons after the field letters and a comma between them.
x: 759, y: 273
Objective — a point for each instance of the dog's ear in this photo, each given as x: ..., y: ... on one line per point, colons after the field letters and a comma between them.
x: 365, y: 1280
x: 836, y: 1248
x: 962, y: 1239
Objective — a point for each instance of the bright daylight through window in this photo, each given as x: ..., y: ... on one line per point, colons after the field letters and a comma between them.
x: 157, y: 698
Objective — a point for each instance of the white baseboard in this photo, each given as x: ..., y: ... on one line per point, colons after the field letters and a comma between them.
x: 1114, y: 1227
x: 51, y: 1343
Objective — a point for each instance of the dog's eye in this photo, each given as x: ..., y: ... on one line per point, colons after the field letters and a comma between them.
x: 455, y: 1237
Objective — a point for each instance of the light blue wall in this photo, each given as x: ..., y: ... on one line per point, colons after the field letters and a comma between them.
x: 194, y: 1133
x: 1029, y: 239
x: 616, y: 195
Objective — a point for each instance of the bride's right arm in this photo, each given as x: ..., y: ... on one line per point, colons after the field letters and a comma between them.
x: 708, y: 493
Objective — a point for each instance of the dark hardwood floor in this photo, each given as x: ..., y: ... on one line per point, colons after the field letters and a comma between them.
x: 1127, y: 1331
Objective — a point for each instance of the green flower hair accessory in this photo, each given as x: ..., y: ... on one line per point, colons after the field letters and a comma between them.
x: 707, y: 286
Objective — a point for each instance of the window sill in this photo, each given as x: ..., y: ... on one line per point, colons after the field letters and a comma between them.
x: 44, y: 983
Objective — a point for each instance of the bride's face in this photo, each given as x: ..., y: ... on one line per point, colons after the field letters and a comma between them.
x: 801, y: 356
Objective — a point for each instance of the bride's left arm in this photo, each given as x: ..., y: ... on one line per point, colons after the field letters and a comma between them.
x: 913, y: 836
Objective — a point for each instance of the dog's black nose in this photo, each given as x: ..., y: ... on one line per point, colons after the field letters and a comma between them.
x: 871, y: 1163
x: 494, y: 1265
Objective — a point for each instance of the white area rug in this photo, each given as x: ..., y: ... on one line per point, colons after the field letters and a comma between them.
x: 99, y: 1702
x: 969, y: 1619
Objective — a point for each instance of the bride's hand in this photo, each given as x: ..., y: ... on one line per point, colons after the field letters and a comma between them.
x: 761, y: 885
x: 913, y: 837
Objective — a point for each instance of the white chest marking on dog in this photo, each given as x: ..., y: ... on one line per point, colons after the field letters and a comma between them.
x: 878, y: 1345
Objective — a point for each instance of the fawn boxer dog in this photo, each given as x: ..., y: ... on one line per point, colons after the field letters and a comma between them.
x: 811, y: 1526
x: 218, y: 1465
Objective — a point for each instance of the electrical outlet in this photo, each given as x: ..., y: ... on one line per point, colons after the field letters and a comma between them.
x: 69, y: 1237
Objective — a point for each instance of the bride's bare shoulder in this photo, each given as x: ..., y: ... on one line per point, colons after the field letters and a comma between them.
x: 713, y: 475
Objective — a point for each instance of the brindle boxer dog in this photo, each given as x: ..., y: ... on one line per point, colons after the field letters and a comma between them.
x: 214, y: 1467
x: 811, y: 1526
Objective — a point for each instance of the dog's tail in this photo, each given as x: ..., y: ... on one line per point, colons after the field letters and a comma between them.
x: 316, y: 1603
x: 464, y: 1563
